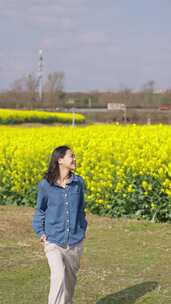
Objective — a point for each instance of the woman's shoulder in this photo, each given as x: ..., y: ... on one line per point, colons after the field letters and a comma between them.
x: 78, y: 177
x: 81, y: 180
x: 43, y: 183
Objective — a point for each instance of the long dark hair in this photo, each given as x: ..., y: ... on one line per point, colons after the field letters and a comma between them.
x: 53, y: 173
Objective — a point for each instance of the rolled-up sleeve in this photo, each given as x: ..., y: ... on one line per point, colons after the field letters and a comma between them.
x: 83, y: 205
x: 38, y: 220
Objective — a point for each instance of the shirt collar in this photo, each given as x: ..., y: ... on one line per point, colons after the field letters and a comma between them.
x: 73, y: 177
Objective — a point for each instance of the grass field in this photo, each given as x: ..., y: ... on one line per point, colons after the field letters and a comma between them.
x: 124, y: 261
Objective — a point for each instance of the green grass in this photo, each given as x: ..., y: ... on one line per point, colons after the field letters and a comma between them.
x: 125, y: 261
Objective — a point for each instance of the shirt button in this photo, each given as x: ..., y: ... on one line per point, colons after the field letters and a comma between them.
x: 67, y: 212
x: 67, y: 220
x: 67, y: 229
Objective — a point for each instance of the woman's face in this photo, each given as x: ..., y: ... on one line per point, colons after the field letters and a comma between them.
x: 69, y: 160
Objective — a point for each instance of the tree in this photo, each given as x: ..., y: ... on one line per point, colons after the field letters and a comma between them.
x: 18, y: 85
x: 26, y: 83
x: 54, y: 86
x: 149, y: 86
x: 148, y: 92
x: 31, y: 84
x: 124, y: 94
x: 24, y: 90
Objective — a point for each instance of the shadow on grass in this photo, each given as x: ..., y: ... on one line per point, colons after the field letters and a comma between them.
x: 129, y: 295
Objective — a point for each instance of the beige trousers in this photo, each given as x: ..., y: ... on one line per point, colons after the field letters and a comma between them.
x: 64, y: 264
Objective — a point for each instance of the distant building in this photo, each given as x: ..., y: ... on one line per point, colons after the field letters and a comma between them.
x: 165, y: 107
x: 116, y: 106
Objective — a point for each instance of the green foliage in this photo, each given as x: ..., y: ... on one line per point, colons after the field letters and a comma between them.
x: 127, y: 170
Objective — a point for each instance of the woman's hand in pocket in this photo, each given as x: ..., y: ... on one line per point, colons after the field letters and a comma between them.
x: 43, y: 238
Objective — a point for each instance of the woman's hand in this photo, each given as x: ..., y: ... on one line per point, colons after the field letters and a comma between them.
x: 43, y: 239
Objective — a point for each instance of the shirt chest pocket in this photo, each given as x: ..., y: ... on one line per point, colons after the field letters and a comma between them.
x: 75, y: 197
x: 75, y: 190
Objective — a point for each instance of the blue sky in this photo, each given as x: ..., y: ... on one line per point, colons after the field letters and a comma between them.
x: 98, y: 44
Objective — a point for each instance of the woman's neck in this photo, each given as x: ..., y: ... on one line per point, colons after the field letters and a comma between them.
x: 62, y: 180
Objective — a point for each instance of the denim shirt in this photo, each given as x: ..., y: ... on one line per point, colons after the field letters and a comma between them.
x: 60, y: 212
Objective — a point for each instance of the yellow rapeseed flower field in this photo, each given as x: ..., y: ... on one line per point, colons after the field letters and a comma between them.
x: 127, y: 169
x: 8, y: 116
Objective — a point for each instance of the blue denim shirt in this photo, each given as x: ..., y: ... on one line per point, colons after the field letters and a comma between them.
x: 60, y: 212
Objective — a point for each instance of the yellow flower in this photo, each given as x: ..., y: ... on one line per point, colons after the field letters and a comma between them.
x: 130, y: 188
x: 146, y: 185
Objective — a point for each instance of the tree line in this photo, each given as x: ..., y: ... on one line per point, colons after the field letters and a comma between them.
x: 24, y: 93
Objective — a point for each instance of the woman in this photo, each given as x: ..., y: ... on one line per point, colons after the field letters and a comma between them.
x: 60, y: 223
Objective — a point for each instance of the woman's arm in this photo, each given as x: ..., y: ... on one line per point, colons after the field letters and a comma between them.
x: 83, y: 204
x: 38, y: 220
